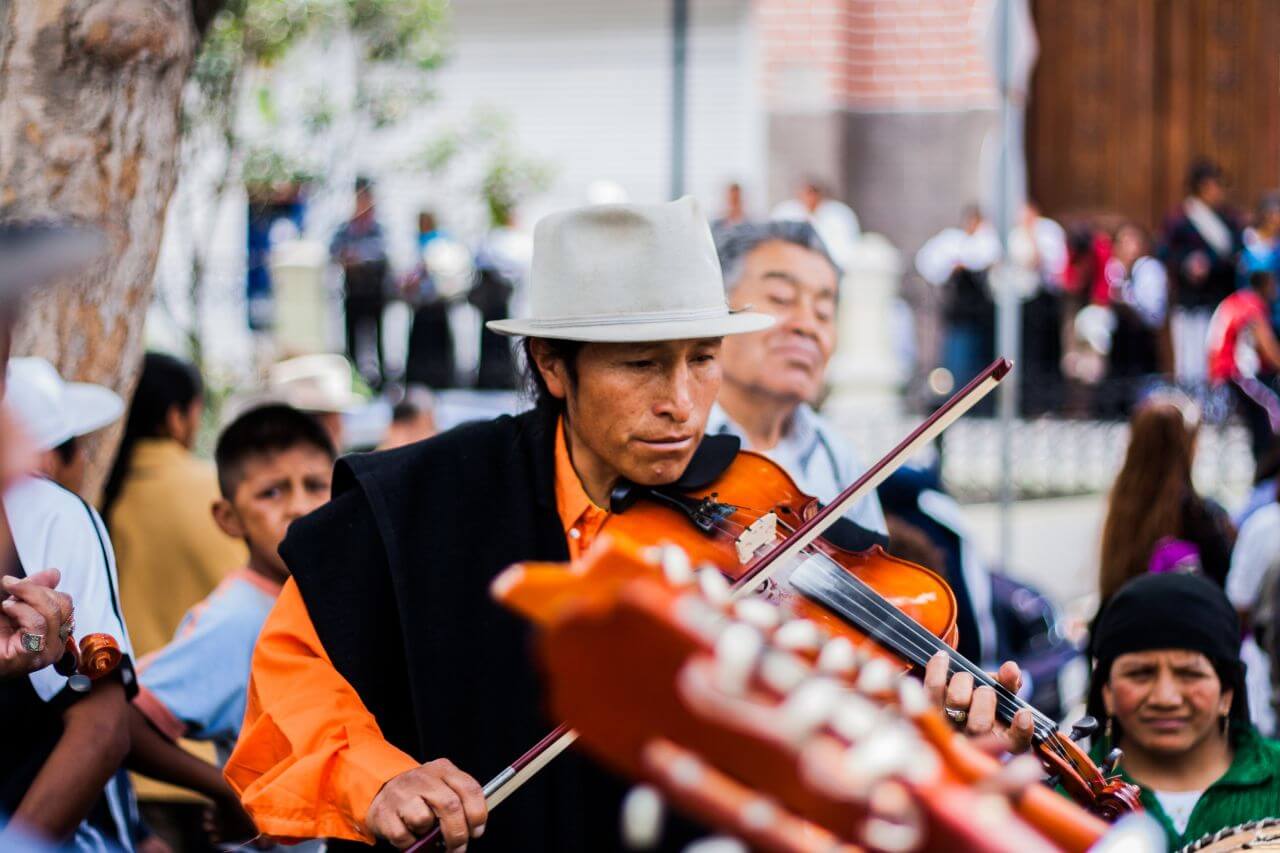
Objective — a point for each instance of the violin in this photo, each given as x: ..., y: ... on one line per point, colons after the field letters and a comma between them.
x: 764, y: 536
x: 790, y: 748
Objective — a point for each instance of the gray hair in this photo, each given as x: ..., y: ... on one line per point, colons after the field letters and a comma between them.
x: 735, y: 242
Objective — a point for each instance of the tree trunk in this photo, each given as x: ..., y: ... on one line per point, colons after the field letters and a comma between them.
x: 90, y: 105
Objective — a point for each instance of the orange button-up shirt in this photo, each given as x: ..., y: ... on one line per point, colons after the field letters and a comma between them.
x: 311, y: 757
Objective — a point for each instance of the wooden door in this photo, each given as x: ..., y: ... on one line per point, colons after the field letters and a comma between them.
x: 1127, y: 93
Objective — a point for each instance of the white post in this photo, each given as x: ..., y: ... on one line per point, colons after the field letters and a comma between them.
x: 865, y: 374
x: 302, y: 310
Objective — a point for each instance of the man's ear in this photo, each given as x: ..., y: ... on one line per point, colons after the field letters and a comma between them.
x: 554, y: 371
x: 227, y: 519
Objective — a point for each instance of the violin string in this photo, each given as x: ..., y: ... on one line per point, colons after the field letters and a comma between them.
x: 882, y: 617
x: 880, y: 623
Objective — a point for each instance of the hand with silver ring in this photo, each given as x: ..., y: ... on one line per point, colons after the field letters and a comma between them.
x: 29, y: 609
x: 973, y: 709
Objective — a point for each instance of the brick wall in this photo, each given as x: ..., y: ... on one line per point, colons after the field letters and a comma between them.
x: 873, y: 55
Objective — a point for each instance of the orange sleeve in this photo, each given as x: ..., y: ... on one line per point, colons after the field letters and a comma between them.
x: 310, y: 757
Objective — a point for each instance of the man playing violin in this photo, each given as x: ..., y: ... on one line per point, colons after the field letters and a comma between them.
x: 386, y: 651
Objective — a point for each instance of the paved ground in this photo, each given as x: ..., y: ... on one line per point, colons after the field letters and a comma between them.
x: 1055, y: 546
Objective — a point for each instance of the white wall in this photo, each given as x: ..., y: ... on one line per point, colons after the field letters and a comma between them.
x: 587, y: 86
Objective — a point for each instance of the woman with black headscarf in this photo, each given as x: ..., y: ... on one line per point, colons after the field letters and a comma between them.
x: 1168, y: 686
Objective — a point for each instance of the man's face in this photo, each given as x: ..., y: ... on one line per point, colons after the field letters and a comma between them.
x: 789, y: 359
x: 275, y: 489
x: 639, y: 410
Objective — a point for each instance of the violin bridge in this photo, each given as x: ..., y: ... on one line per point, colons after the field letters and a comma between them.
x: 763, y: 531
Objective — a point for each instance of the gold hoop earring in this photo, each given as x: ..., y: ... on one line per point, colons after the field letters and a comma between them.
x: 1106, y: 731
x: 1224, y: 723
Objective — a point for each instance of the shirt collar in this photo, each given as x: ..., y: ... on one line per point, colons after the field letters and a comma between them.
x: 801, y: 433
x: 572, y: 500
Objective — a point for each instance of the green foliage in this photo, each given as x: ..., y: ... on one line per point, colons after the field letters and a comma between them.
x: 483, y: 157
x: 408, y: 34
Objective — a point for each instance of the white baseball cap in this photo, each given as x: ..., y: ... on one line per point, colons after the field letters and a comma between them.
x: 51, y: 410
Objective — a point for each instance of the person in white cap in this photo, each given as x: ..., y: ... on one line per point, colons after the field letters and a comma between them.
x: 58, y: 778
x: 319, y: 385
x: 386, y: 680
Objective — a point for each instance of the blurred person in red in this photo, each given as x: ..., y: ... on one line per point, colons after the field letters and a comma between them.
x: 1243, y: 355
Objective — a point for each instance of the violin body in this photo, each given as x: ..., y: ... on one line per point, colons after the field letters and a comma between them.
x: 752, y: 488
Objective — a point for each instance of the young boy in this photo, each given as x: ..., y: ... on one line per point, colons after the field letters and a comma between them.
x: 274, y: 466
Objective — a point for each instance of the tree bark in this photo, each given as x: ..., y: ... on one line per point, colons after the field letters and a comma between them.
x: 90, y: 106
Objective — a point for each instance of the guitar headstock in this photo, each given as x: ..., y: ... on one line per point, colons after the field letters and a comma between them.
x: 756, y: 722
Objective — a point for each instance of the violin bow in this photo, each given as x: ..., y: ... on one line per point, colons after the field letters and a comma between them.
x: 562, y: 737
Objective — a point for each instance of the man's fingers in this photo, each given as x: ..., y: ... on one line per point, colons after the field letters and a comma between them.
x: 935, y: 677
x: 473, y: 803
x: 447, y: 806
x: 47, y: 578
x: 982, y: 712
x: 959, y: 692
x: 26, y: 617
x: 1020, y: 731
x: 416, y: 815
x: 1009, y: 676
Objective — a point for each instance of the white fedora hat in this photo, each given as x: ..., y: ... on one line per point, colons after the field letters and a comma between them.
x: 313, y: 383
x: 618, y: 273
x: 52, y: 410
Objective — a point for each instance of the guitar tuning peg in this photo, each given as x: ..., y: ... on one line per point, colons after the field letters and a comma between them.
x: 799, y: 635
x: 1083, y: 728
x: 675, y: 565
x: 1112, y: 761
x: 713, y: 585
x: 876, y: 677
x: 809, y: 706
x: 781, y: 671
x: 758, y: 612
x: 736, y: 651
x: 838, y: 656
x: 643, y: 813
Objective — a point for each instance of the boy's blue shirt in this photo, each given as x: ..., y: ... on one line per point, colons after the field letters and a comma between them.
x: 195, y: 687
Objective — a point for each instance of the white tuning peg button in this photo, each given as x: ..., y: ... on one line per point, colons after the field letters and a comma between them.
x: 676, y: 566
x: 809, y: 706
x: 838, y: 656
x: 716, y: 844
x: 855, y: 717
x: 799, y: 635
x: 758, y: 612
x: 714, y: 586
x: 736, y: 651
x: 643, y: 813
x: 782, y: 672
x: 876, y: 677
x: 912, y: 696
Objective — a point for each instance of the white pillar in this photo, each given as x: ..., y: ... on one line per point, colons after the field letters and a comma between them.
x: 302, y: 310
x: 866, y: 374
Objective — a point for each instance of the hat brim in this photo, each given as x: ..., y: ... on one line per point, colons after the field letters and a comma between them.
x: 622, y: 332
x: 90, y: 408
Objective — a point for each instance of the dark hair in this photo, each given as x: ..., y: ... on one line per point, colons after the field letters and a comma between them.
x: 534, y: 385
x: 264, y: 430
x: 1269, y: 203
x: 1201, y: 171
x: 166, y: 382
x: 1259, y: 279
x: 416, y: 400
x: 733, y: 244
x: 67, y: 451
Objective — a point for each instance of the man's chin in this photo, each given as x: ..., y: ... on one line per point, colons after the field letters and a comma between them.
x: 659, y: 472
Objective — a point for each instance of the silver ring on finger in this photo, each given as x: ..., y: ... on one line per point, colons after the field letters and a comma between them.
x: 956, y: 716
x: 33, y: 643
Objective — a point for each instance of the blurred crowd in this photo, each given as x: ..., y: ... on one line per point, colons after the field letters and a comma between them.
x: 1111, y: 312
x: 185, y: 551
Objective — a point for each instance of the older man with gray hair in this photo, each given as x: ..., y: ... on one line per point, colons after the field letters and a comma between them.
x: 771, y: 378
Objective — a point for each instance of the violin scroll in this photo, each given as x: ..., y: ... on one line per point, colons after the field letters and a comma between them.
x: 1104, y: 795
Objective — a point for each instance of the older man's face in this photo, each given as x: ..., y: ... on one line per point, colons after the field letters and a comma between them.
x: 789, y: 360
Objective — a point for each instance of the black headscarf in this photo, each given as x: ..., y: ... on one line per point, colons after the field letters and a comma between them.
x: 1170, y: 611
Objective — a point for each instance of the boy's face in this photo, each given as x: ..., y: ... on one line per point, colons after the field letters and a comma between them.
x: 274, y: 489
